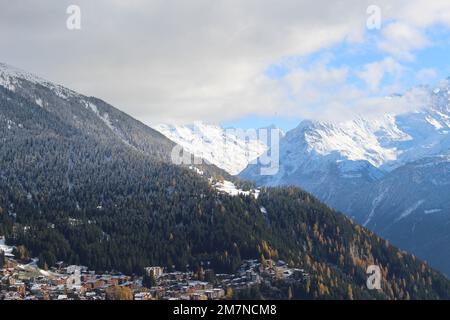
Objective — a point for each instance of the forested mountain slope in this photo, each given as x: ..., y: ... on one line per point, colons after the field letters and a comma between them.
x: 90, y: 185
x: 389, y: 173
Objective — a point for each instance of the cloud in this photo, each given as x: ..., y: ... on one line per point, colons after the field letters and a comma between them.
x: 373, y: 73
x: 325, y: 92
x: 174, y: 60
x: 400, y: 39
x: 181, y: 61
x: 422, y: 13
x: 426, y: 75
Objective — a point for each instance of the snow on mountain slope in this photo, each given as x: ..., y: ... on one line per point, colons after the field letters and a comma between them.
x: 225, y: 148
x: 74, y: 111
x: 390, y: 173
x: 15, y: 79
x: 229, y: 187
x: 353, y: 140
x: 102, y: 121
x: 410, y: 206
x: 11, y: 77
x: 382, y: 143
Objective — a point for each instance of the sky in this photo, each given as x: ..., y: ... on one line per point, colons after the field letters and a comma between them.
x: 244, y: 63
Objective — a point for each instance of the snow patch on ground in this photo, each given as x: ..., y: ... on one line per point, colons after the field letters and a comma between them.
x: 410, y: 210
x: 197, y: 170
x: 6, y: 249
x: 106, y: 120
x: 375, y: 204
x: 10, y: 124
x: 7, y: 82
x: 430, y: 211
x: 433, y: 122
x: 39, y: 102
x: 229, y: 187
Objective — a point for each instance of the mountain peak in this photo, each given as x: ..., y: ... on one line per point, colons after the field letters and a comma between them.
x: 7, y: 71
x: 11, y: 78
x: 225, y: 148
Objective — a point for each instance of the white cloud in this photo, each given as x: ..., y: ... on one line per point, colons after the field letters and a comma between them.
x: 426, y: 75
x: 422, y: 13
x: 324, y: 92
x: 373, y: 73
x: 176, y: 60
x: 400, y: 39
x: 180, y: 61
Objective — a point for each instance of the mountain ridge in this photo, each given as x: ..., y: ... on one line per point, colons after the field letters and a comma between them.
x: 363, y: 167
x: 230, y: 149
x: 71, y: 189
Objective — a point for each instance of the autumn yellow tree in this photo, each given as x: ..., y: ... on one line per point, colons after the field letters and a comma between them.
x: 22, y: 253
x: 119, y: 293
x: 229, y: 292
x: 263, y: 262
x: 350, y: 292
x: 290, y: 293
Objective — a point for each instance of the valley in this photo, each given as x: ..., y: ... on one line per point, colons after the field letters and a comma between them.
x: 84, y: 183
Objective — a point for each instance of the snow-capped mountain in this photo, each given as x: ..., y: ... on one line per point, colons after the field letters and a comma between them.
x: 390, y: 173
x: 375, y: 146
x: 78, y: 176
x: 411, y: 207
x: 92, y: 116
x: 12, y: 79
x: 229, y: 149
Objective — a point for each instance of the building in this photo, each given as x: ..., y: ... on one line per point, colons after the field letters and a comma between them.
x: 154, y: 271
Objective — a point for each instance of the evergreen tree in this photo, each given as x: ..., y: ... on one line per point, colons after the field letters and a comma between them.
x: 149, y: 280
x: 2, y: 259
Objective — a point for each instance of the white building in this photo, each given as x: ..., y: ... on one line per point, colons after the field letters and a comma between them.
x: 6, y: 249
x: 155, y: 271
